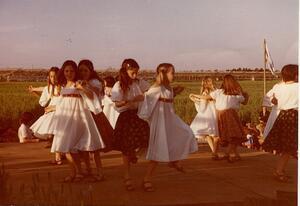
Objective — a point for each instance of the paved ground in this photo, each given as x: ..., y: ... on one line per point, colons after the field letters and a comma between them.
x: 206, y: 182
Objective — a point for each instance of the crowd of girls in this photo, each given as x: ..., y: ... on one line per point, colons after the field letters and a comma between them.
x: 85, y: 115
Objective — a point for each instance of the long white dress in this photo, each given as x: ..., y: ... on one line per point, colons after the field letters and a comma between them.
x: 74, y: 128
x: 205, y: 122
x: 170, y: 138
x: 274, y: 112
x: 41, y: 126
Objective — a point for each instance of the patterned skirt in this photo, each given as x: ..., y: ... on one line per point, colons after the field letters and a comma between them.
x: 230, y: 128
x: 283, y: 137
x: 131, y: 133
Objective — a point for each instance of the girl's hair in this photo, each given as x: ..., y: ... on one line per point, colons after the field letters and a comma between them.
x: 55, y: 70
x: 161, y: 74
x: 89, y: 64
x: 26, y: 117
x: 231, y: 86
x: 207, y: 85
x: 289, y: 72
x: 61, y: 76
x: 124, y: 79
x: 110, y: 81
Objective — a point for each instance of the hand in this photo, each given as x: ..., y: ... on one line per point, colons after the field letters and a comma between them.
x: 178, y: 89
x: 274, y: 100
x: 80, y: 84
x: 30, y: 88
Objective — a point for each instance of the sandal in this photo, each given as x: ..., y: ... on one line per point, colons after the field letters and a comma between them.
x: 228, y: 158
x: 280, y: 177
x: 237, y: 158
x: 98, y: 178
x: 128, y: 184
x: 147, y: 186
x: 177, y: 167
x: 56, y: 162
x: 68, y: 179
x: 215, y: 157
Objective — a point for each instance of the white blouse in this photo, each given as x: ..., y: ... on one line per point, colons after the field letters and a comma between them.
x: 224, y: 102
x: 287, y: 95
x: 118, y: 95
x: 46, y: 96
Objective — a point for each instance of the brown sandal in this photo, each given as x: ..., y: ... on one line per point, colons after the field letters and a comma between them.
x: 177, y: 167
x: 280, y: 177
x: 147, y: 186
x: 128, y: 184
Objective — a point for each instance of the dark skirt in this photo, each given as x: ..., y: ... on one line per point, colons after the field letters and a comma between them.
x: 105, y: 130
x: 230, y: 128
x: 283, y: 137
x: 131, y: 133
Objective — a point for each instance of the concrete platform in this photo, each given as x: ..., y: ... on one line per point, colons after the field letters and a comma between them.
x: 33, y: 180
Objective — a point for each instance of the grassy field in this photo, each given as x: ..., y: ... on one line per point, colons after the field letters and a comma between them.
x: 15, y: 99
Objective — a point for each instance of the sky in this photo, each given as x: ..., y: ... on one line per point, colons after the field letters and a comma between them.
x: 191, y: 34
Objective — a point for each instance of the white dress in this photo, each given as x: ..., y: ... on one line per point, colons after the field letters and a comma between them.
x: 205, y: 122
x: 97, y: 84
x: 109, y: 110
x: 170, y: 138
x: 41, y: 127
x: 74, y: 128
x: 24, y: 132
x: 274, y: 112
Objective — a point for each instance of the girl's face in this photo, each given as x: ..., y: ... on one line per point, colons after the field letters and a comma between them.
x: 53, y: 78
x: 69, y: 73
x: 170, y: 74
x: 132, y: 73
x: 84, y: 72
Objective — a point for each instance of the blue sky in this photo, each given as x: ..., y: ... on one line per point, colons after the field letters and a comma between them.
x: 191, y: 34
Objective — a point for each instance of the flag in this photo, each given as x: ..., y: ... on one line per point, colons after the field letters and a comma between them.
x: 268, y: 60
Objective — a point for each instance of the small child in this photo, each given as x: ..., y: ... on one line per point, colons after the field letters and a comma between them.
x: 24, y: 133
x: 205, y: 123
x: 171, y: 140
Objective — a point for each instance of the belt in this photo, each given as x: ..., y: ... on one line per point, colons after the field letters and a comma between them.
x: 72, y: 95
x: 165, y: 100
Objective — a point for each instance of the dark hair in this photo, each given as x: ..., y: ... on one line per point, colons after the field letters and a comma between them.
x: 26, y: 117
x: 61, y: 76
x: 125, y: 80
x: 231, y: 86
x: 110, y: 81
x: 161, y: 73
x: 56, y: 70
x: 89, y: 64
x: 289, y: 72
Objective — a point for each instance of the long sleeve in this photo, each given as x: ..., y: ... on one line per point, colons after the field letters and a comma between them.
x: 147, y: 106
x: 45, y: 97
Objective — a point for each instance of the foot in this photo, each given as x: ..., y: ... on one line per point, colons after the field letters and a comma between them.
x: 177, y: 167
x: 147, y: 186
x: 215, y: 156
x: 237, y: 158
x: 280, y: 177
x: 128, y: 184
x: 48, y: 145
x: 228, y: 158
x: 97, y: 178
x: 56, y: 162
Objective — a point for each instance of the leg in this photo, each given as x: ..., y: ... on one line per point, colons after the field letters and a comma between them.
x: 147, y: 185
x: 281, y: 164
x: 72, y: 176
x: 77, y: 162
x: 210, y: 142
x: 127, y: 178
x: 86, y: 159
x: 98, y: 162
x: 58, y: 158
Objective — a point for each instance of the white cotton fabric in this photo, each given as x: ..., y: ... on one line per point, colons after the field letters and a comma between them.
x: 224, y: 101
x: 170, y: 138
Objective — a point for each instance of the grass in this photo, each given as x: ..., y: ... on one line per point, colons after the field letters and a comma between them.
x: 15, y: 99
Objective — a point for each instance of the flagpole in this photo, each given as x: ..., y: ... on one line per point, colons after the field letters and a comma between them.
x: 265, y: 66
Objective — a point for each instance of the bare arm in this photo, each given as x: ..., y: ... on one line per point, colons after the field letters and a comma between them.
x: 82, y: 86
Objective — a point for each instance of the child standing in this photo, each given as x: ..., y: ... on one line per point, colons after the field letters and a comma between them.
x: 228, y: 99
x: 171, y: 140
x: 74, y: 128
x: 48, y: 100
x: 283, y: 136
x: 131, y: 132
x: 108, y: 105
x: 205, y: 123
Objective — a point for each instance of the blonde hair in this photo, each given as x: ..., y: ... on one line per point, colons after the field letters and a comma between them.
x: 207, y: 85
x: 161, y: 74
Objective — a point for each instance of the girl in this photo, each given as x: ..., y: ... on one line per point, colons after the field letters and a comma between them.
x: 283, y: 135
x: 131, y: 132
x: 74, y: 128
x: 24, y: 133
x: 108, y: 106
x: 49, y: 98
x: 228, y: 99
x: 171, y: 140
x: 205, y: 123
x: 92, y: 81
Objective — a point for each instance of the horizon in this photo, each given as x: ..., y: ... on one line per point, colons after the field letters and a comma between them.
x: 192, y: 35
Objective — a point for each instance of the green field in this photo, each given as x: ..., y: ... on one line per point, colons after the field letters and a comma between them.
x: 15, y: 99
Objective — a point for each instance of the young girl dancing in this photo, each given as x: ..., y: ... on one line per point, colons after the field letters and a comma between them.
x: 228, y: 99
x: 131, y: 132
x: 205, y: 123
x: 74, y: 128
x: 283, y: 136
x: 48, y: 99
x: 171, y: 140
